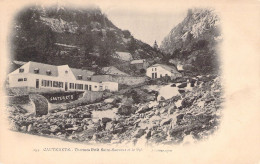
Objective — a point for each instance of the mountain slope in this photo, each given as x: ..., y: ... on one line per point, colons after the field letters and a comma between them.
x: 78, y: 37
x: 193, y: 42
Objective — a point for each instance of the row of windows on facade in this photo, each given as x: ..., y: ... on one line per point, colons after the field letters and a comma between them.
x: 154, y: 69
x: 58, y: 84
x: 154, y: 75
x: 49, y: 83
x: 48, y: 72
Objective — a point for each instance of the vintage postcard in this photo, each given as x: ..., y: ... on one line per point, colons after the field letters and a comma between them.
x: 130, y: 82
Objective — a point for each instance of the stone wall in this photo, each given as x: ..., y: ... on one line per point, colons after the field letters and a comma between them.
x: 87, y: 98
x: 126, y: 80
x: 41, y: 104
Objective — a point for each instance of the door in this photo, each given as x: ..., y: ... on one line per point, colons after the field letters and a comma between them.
x: 37, y: 83
x: 86, y: 87
x: 66, y: 86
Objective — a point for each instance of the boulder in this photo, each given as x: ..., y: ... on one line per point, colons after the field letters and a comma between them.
x: 54, y: 128
x: 182, y: 85
x: 118, y: 130
x: 171, y: 109
x: 179, y: 118
x: 109, y: 100
x: 126, y: 110
x: 23, y: 129
x: 86, y: 115
x: 181, y: 91
x: 139, y: 133
x: 149, y: 134
x: 187, y: 102
x: 45, y: 131
x: 144, y: 109
x: 166, y: 121
x: 109, y: 126
x: 105, y: 120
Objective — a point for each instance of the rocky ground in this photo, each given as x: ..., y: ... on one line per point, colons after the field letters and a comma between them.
x: 133, y: 116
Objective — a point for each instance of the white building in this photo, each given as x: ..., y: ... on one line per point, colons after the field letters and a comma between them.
x: 161, y: 70
x: 39, y: 77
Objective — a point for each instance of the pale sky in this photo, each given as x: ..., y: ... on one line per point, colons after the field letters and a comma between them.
x: 148, y: 25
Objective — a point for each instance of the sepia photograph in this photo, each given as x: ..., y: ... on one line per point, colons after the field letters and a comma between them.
x: 117, y: 78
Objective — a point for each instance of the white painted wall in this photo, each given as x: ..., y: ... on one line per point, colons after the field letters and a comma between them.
x: 159, y: 70
x: 112, y: 86
x: 66, y: 76
x: 63, y: 77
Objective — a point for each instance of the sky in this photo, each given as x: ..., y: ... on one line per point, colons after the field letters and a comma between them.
x: 147, y: 26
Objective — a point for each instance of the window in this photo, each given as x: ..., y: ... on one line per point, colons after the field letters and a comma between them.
x: 79, y: 86
x: 90, y: 87
x: 48, y: 72
x: 152, y: 69
x: 79, y: 77
x: 44, y: 83
x: 36, y: 70
x: 21, y: 70
x: 86, y: 87
x: 25, y: 79
x: 60, y: 84
x: 89, y: 78
x: 166, y: 74
x: 55, y: 84
x: 155, y: 69
x: 20, y: 79
x: 66, y: 72
x: 71, y: 85
x: 95, y: 86
x: 48, y: 83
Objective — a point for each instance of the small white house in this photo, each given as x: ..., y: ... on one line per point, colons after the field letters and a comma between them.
x: 39, y: 77
x: 162, y: 70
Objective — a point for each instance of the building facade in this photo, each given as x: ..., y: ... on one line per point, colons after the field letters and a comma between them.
x: 139, y: 64
x: 39, y: 77
x: 162, y: 70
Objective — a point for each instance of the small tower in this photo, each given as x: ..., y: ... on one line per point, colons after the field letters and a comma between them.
x: 155, y: 46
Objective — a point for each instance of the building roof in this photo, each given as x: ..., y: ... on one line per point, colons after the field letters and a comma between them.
x: 166, y: 67
x: 113, y: 71
x: 84, y: 73
x: 43, y: 68
x: 140, y: 61
x: 126, y: 56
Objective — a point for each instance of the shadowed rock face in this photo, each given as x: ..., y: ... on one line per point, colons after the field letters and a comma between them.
x: 193, y: 43
x: 53, y: 36
x: 41, y: 104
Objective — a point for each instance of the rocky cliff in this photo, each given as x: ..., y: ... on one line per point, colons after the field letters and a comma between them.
x: 193, y: 42
x: 78, y: 37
